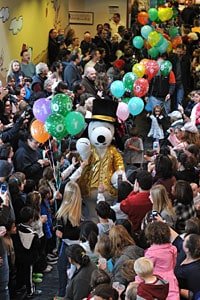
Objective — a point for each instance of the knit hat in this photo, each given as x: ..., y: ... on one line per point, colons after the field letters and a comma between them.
x: 119, y: 63
x: 5, y: 168
x: 190, y: 127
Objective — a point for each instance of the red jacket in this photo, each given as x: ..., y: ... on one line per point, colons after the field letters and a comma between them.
x: 136, y: 205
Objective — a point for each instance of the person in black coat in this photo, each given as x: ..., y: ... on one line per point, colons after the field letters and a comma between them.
x: 72, y: 73
x: 27, y: 160
x: 53, y: 46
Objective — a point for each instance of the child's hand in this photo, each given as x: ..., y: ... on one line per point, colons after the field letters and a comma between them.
x: 59, y: 234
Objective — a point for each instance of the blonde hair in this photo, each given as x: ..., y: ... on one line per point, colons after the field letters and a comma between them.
x: 70, y: 208
x: 119, y: 239
x: 143, y: 267
x: 161, y: 200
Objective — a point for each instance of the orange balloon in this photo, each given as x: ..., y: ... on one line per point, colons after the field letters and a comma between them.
x: 38, y: 132
x: 143, y: 17
x: 176, y: 41
x: 144, y: 61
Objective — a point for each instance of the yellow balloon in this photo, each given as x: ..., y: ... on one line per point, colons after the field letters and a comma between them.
x: 169, y: 13
x: 139, y: 70
x: 153, y: 38
x: 165, y: 13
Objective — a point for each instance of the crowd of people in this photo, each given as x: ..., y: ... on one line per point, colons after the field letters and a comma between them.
x: 146, y: 243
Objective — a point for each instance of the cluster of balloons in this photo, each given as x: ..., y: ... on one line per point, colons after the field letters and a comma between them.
x: 155, y: 41
x: 56, y: 118
x: 134, y: 83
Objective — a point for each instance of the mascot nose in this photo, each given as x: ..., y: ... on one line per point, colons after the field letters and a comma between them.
x: 101, y: 139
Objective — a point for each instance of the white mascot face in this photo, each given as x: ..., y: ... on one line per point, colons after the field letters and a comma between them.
x: 100, y: 133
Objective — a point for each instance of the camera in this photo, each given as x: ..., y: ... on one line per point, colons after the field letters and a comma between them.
x: 154, y: 214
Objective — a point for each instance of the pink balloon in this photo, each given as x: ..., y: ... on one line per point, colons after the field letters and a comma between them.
x: 141, y: 87
x: 122, y: 111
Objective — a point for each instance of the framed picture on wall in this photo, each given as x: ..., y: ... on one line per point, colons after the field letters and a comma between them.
x: 80, y: 17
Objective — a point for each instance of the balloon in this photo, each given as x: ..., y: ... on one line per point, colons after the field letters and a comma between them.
x: 61, y: 104
x: 145, y: 30
x: 154, y: 38
x: 55, y: 125
x: 128, y: 80
x: 143, y: 18
x: 160, y: 40
x: 152, y: 68
x: 153, y: 14
x: 141, y: 87
x: 135, y: 106
x: 74, y: 122
x: 42, y: 109
x: 153, y: 52
x: 122, y: 111
x: 165, y: 13
x: 38, y: 132
x: 138, y: 42
x: 119, y: 53
x: 173, y: 32
x: 165, y: 67
x: 144, y: 61
x: 117, y: 88
x: 139, y: 70
x: 176, y: 41
x: 163, y: 48
x: 169, y: 48
x: 126, y: 100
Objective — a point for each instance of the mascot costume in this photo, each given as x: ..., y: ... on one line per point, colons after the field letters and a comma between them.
x: 104, y: 160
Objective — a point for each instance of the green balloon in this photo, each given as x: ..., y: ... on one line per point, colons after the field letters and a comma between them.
x: 173, y: 32
x: 126, y: 100
x: 55, y: 125
x: 61, y: 104
x: 74, y: 122
x: 128, y: 80
x: 153, y: 52
x: 165, y: 67
x: 153, y: 14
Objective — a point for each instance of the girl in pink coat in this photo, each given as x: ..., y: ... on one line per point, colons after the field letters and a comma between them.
x: 163, y: 255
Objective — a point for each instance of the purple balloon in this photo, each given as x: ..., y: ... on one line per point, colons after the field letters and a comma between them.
x: 42, y: 109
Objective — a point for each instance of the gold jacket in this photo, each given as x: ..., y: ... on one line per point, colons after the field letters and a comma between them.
x: 100, y: 170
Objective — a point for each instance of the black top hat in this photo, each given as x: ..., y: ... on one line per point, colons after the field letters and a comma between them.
x: 104, y: 110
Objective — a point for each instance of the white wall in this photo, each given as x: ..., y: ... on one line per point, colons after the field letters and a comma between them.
x: 101, y: 13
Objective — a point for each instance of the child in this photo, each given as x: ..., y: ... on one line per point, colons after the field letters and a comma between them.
x: 45, y: 193
x: 8, y: 242
x: 133, y: 153
x: 103, y: 212
x: 157, y: 124
x: 152, y: 286
x: 26, y: 244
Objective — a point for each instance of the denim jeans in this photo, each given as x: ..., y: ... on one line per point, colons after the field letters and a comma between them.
x: 179, y: 95
x: 153, y: 101
x: 63, y: 264
x: 4, y: 278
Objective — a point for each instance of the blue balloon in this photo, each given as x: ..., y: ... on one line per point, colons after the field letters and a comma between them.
x: 145, y: 30
x: 117, y: 88
x: 135, y: 106
x: 163, y: 48
x: 138, y: 42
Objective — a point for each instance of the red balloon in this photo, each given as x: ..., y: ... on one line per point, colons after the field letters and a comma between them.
x: 143, y: 17
x: 141, y: 87
x: 152, y: 68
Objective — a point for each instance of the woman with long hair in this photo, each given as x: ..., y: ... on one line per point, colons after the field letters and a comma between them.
x: 183, y: 204
x: 15, y: 72
x: 68, y: 219
x: 123, y: 247
x: 162, y: 204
